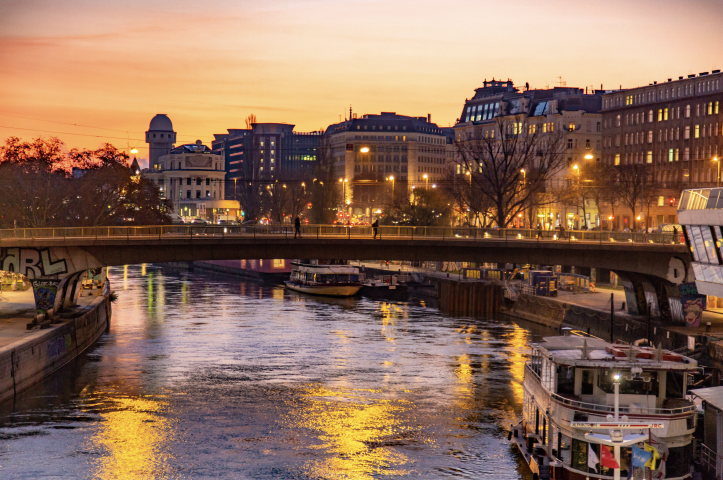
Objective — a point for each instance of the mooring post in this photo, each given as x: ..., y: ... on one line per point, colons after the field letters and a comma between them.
x: 612, y: 318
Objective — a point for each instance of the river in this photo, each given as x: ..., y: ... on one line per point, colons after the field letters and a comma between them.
x: 209, y: 376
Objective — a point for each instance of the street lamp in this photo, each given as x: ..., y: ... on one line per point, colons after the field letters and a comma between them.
x: 426, y: 178
x: 304, y: 186
x: 524, y: 176
x: 364, y: 150
x: 577, y: 170
x: 391, y: 177
x: 588, y: 156
x: 717, y: 181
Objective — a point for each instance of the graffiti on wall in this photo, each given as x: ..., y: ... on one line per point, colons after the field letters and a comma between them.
x: 45, y: 292
x: 692, y: 303
x: 31, y: 262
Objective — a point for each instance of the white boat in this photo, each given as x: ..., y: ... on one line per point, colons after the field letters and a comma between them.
x: 328, y: 280
x: 583, y: 393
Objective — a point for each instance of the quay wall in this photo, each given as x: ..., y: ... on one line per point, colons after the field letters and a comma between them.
x: 31, y: 359
x: 557, y: 314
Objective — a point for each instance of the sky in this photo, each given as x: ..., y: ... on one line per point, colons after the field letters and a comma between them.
x: 91, y: 72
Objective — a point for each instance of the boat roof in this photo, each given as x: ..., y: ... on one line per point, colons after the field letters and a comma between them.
x: 339, y: 269
x: 568, y: 350
x: 712, y: 396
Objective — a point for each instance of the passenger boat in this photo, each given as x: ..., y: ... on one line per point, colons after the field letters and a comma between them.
x: 582, y: 393
x: 385, y: 287
x: 324, y: 279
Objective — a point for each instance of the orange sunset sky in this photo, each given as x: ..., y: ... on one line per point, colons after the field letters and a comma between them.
x: 103, y: 68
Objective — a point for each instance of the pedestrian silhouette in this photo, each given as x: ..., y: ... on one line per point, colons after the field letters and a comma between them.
x: 297, y: 227
x: 375, y: 227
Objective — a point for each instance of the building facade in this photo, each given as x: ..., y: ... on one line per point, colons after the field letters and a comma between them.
x: 571, y: 111
x: 374, y: 155
x: 193, y: 177
x: 267, y: 152
x: 672, y: 130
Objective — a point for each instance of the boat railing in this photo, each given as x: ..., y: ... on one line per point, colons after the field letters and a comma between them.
x: 709, y: 459
x: 633, y: 410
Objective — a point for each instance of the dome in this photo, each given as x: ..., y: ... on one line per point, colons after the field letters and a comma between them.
x: 161, y: 123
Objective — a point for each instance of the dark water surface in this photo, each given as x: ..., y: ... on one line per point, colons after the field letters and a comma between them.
x: 208, y: 376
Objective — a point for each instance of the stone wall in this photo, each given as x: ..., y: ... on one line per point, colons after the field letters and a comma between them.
x: 31, y: 359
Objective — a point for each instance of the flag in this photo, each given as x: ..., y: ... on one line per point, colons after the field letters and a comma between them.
x: 654, y: 456
x: 640, y: 457
x: 592, y: 459
x: 662, y: 449
x: 607, y: 459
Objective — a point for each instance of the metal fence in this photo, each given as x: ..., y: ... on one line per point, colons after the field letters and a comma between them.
x: 340, y: 231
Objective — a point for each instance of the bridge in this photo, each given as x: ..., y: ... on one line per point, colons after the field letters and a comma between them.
x: 647, y: 263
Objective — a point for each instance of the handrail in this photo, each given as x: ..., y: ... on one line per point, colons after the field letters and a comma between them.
x: 609, y: 408
x: 445, y: 234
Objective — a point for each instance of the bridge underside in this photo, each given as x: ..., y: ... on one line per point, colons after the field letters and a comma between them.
x: 648, y: 270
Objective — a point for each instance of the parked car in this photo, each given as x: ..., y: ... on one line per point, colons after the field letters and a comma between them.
x: 199, y: 221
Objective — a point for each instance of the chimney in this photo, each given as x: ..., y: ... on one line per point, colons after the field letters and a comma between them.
x: 429, y: 118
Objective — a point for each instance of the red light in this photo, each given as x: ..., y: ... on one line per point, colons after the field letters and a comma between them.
x: 672, y: 201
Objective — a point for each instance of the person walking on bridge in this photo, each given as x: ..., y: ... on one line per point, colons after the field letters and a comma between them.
x: 297, y: 227
x: 375, y: 227
x: 539, y: 231
x: 562, y: 232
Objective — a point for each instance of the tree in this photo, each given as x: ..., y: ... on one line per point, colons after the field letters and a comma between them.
x: 325, y: 195
x: 251, y: 119
x: 420, y: 207
x: 495, y: 157
x: 636, y: 186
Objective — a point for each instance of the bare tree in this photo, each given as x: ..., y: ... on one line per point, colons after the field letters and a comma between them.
x: 496, y: 156
x: 251, y: 119
x: 325, y: 195
x: 632, y: 182
x: 419, y: 207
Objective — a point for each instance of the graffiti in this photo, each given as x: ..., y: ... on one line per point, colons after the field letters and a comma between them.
x: 688, y: 289
x: 45, y: 292
x: 31, y: 262
x: 59, y: 345
x: 693, y: 310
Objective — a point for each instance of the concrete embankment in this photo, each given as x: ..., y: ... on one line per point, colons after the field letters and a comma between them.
x: 35, y: 356
x: 557, y: 314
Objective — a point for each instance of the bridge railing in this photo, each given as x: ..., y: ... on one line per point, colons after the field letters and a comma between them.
x: 341, y: 231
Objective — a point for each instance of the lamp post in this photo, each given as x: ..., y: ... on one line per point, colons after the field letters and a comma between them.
x: 391, y: 177
x: 304, y: 187
x: 717, y: 178
x: 426, y: 178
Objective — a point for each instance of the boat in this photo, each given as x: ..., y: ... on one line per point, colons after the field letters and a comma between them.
x: 385, y: 287
x: 582, y: 393
x: 324, y: 279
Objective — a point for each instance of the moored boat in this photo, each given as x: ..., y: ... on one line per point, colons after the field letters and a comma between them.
x: 582, y: 395
x: 323, y: 279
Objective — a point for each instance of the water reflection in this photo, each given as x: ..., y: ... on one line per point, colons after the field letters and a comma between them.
x: 209, y: 376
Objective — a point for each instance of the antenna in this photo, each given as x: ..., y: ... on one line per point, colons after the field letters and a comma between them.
x: 561, y: 82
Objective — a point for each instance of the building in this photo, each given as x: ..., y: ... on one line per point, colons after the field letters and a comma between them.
x: 558, y: 109
x: 267, y: 152
x: 673, y: 130
x: 374, y: 154
x: 190, y: 175
x: 160, y: 138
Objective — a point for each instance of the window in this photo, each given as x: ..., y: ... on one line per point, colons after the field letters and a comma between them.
x: 697, y: 131
x: 661, y: 201
x: 686, y: 133
x: 671, y: 155
x: 569, y: 143
x: 188, y: 194
x: 617, y: 159
x: 650, y: 136
x: 188, y: 182
x: 660, y: 114
x: 687, y: 111
x: 617, y: 121
x: 686, y: 154
x: 649, y: 157
x: 665, y: 114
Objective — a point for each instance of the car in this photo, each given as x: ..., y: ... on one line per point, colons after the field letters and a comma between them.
x: 199, y: 221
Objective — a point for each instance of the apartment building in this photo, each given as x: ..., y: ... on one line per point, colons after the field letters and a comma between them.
x: 672, y: 129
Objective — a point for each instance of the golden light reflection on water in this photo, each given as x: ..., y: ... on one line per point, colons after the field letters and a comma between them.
x: 518, y: 345
x: 357, y: 432
x: 135, y: 440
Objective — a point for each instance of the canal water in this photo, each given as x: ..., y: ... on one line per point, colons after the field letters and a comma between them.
x: 209, y: 376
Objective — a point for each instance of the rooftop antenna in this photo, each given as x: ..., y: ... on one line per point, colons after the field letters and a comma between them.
x: 561, y: 82
x: 350, y: 117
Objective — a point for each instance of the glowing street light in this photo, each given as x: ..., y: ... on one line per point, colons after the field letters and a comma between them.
x: 717, y: 182
x: 364, y: 150
x: 134, y: 150
x: 588, y: 156
x: 426, y: 177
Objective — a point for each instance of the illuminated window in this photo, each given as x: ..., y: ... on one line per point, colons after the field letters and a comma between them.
x: 649, y: 158
x: 660, y: 114
x: 617, y: 159
x: 571, y: 127
x: 665, y: 114
x: 687, y: 111
x: 697, y: 131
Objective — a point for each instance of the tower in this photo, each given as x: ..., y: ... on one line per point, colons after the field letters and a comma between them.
x: 160, y: 138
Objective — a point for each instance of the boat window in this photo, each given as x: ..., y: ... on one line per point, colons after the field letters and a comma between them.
x: 564, y: 451
x: 674, y: 385
x: 579, y: 455
x: 628, y: 386
x: 566, y: 380
x: 354, y: 278
x: 677, y: 464
x: 587, y: 382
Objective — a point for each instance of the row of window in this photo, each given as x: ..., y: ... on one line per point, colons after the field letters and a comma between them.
x: 379, y: 168
x: 692, y: 88
x: 668, y: 155
x: 477, y: 113
x: 665, y: 114
x: 381, y: 158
